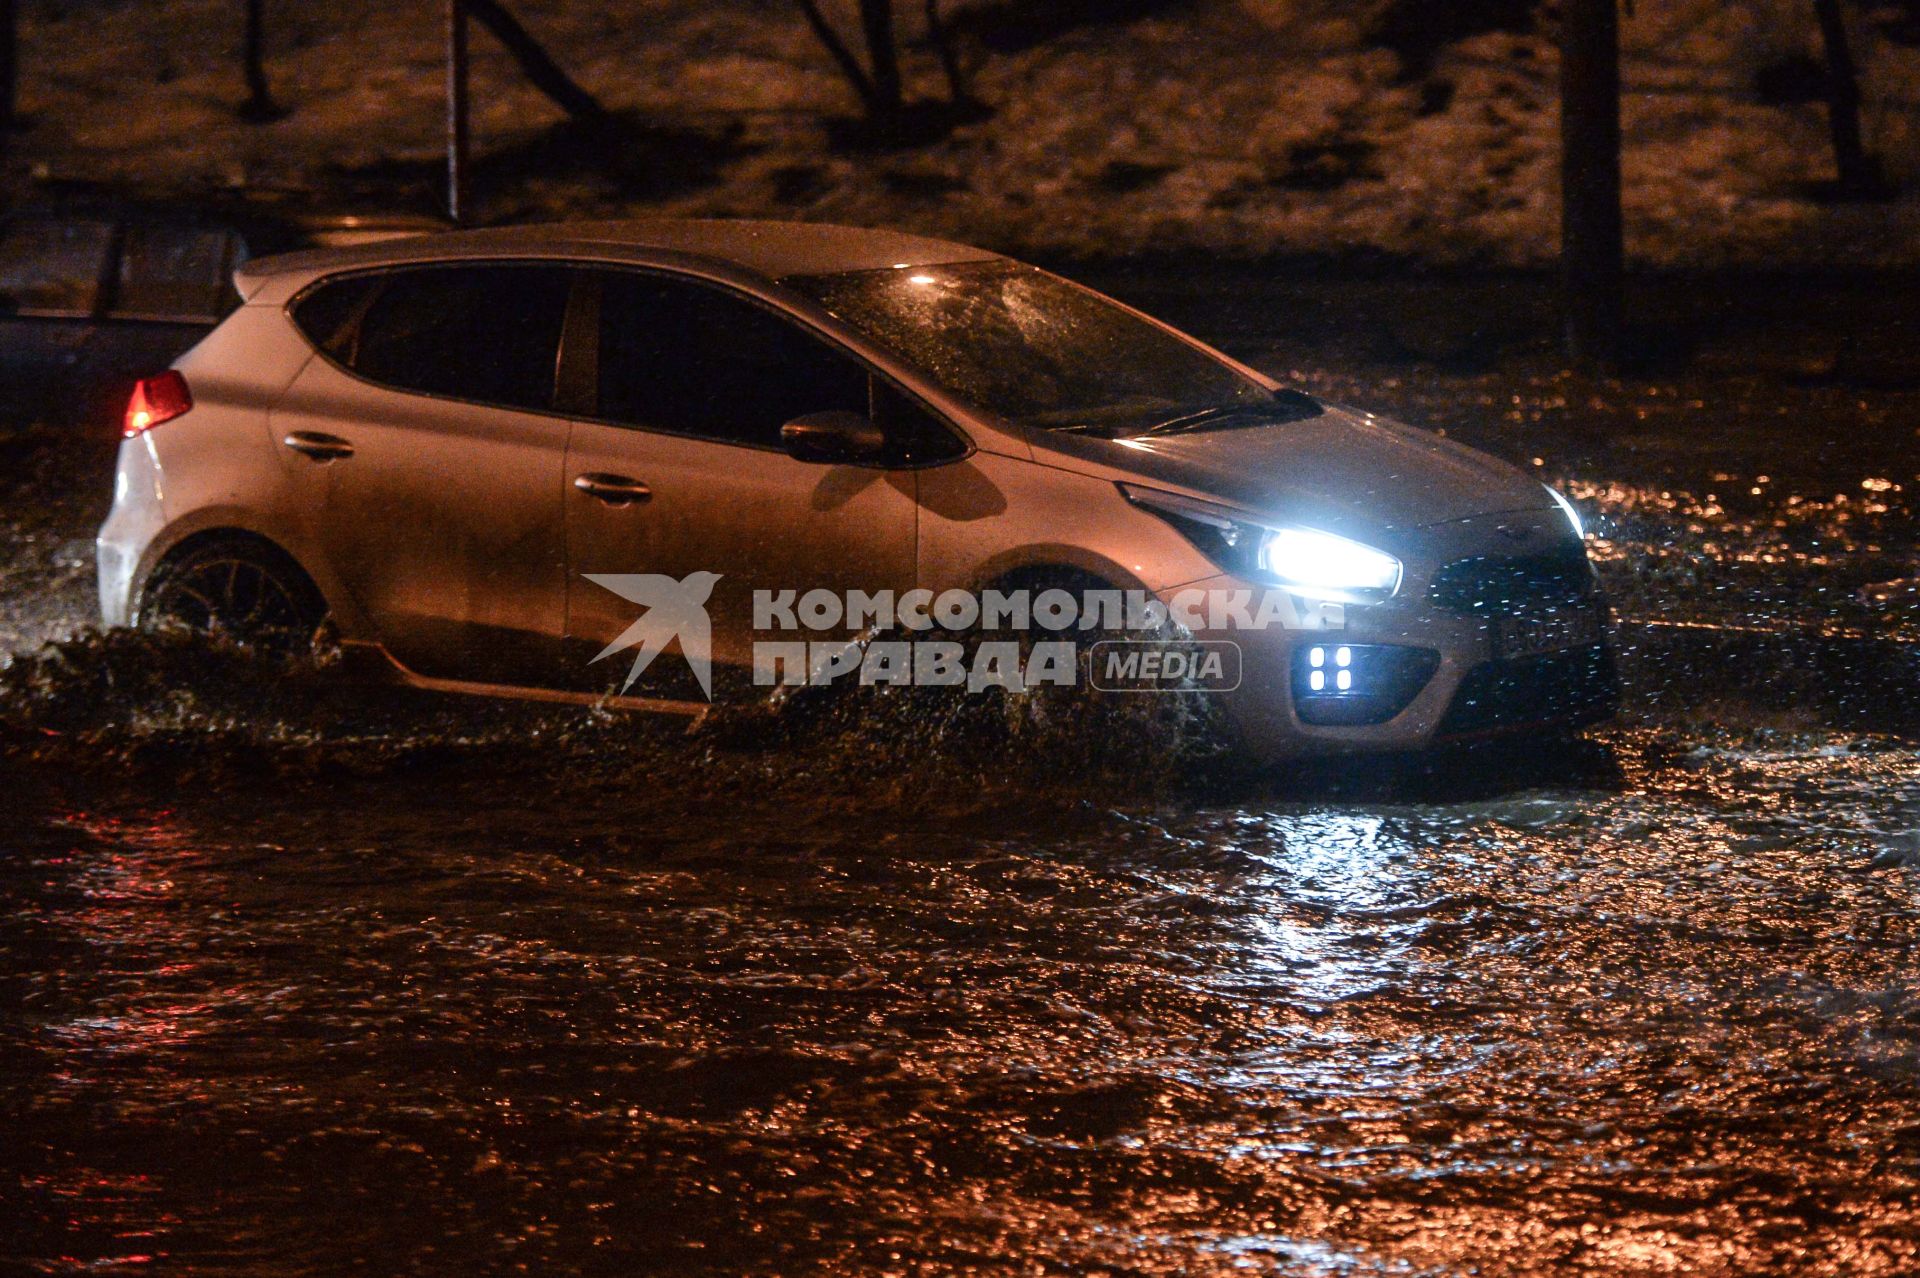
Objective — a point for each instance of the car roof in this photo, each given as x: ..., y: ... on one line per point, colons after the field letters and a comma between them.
x: 770, y: 249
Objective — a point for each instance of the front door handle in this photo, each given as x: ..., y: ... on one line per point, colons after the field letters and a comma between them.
x: 318, y: 446
x: 615, y: 490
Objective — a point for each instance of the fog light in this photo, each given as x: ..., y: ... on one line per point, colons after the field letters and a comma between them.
x: 1372, y: 682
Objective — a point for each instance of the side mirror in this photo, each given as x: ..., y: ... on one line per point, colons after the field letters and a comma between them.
x: 1297, y: 404
x: 834, y: 438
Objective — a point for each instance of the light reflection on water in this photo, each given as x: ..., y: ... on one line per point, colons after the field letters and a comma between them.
x: 1670, y: 1024
x: 1311, y: 930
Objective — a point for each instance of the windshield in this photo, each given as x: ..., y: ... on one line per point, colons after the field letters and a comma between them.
x: 1039, y: 351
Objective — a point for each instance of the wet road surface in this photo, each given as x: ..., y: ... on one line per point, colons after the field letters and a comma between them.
x: 298, y: 978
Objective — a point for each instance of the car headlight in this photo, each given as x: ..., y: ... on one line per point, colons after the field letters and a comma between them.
x: 1566, y: 508
x: 1306, y: 561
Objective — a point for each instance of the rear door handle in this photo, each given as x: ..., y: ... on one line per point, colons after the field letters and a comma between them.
x: 318, y: 446
x: 615, y: 490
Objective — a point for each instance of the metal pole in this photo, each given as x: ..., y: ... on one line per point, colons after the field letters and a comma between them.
x: 1592, y: 239
x: 456, y: 110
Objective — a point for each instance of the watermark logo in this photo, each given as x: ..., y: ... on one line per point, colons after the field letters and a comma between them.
x: 1151, y: 665
x: 676, y: 610
x: 801, y: 638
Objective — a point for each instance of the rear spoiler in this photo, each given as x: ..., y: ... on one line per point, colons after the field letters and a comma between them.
x: 252, y: 275
x: 247, y: 282
x: 334, y: 242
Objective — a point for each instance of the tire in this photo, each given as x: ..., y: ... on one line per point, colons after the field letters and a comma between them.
x: 238, y: 588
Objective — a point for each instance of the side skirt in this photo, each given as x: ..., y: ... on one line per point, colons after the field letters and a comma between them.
x: 375, y: 660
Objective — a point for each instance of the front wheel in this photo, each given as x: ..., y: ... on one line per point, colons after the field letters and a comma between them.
x: 248, y: 592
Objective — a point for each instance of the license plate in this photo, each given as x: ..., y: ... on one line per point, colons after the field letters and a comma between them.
x: 1549, y: 632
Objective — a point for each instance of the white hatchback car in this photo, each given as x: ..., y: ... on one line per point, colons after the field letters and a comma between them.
x: 434, y: 447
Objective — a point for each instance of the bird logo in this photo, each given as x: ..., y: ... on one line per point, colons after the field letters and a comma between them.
x: 676, y: 610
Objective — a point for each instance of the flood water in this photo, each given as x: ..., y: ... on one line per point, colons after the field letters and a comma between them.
x: 302, y: 977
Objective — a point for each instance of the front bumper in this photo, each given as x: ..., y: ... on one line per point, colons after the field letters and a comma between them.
x: 1449, y: 687
x: 1569, y: 689
x: 1425, y: 667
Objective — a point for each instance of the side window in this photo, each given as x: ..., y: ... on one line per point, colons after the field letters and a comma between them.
x: 485, y: 333
x: 915, y: 437
x: 174, y: 273
x: 330, y: 313
x: 684, y: 357
x: 53, y: 267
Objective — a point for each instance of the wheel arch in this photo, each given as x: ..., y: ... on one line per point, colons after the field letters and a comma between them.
x: 163, y: 558
x: 1042, y: 566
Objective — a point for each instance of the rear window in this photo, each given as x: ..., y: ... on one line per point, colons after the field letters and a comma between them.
x: 53, y: 267
x: 489, y: 334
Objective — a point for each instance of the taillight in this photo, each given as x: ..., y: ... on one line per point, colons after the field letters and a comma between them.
x: 155, y: 400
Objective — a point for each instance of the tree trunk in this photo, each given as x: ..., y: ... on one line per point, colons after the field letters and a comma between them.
x: 842, y: 56
x: 1592, y: 248
x: 883, y: 55
x: 9, y: 65
x: 957, y: 92
x: 535, y: 63
x: 1859, y: 172
x: 259, y: 104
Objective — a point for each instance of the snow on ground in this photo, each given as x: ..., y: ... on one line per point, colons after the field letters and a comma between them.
x: 1246, y: 127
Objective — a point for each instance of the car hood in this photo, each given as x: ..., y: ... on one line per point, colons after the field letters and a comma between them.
x: 1341, y: 471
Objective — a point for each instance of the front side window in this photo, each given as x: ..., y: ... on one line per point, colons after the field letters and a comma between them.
x: 1039, y: 351
x: 487, y: 333
x: 684, y: 357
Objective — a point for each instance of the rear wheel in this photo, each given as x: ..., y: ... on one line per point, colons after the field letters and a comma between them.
x: 239, y: 589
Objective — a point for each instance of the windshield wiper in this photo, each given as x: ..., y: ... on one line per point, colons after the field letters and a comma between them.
x: 1187, y: 421
x: 1287, y: 406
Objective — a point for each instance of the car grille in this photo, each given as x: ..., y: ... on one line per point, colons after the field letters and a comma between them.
x: 1565, y: 689
x: 1505, y: 584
